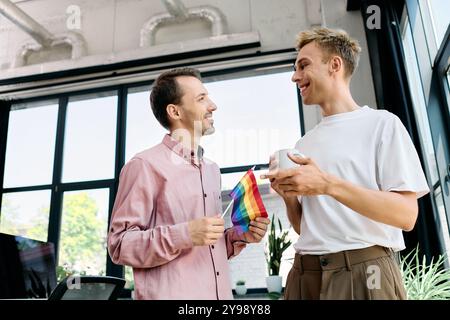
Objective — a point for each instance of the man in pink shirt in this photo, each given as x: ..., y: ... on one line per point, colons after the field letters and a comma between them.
x: 166, y: 220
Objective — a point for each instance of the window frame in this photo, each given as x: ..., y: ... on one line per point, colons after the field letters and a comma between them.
x: 433, y: 77
x: 440, y: 88
x: 388, y: 64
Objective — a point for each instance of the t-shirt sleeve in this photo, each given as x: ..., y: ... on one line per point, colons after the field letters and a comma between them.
x: 398, y: 165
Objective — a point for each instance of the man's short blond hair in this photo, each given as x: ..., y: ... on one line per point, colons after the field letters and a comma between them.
x: 333, y: 42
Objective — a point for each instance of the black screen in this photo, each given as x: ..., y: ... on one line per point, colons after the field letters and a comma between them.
x: 27, y: 268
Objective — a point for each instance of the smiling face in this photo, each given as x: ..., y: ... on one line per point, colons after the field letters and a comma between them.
x: 196, y: 108
x: 312, y: 74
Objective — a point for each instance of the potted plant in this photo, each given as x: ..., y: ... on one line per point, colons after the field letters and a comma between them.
x: 240, y: 289
x: 425, y: 281
x: 277, y: 243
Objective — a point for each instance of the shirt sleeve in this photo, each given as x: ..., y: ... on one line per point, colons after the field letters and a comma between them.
x: 398, y: 165
x: 234, y: 242
x: 130, y: 240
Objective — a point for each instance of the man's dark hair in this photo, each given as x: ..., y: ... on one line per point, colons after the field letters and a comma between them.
x: 166, y: 90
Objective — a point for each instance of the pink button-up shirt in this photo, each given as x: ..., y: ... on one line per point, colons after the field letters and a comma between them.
x: 160, y: 190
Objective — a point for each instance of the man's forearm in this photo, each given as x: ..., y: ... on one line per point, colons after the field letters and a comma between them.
x: 294, y: 212
x: 147, y: 248
x: 398, y: 209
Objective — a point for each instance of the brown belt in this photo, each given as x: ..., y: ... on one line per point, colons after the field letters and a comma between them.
x: 340, y: 259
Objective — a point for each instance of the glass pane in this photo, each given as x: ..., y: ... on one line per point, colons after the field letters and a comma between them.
x: 229, y: 180
x: 255, y: 117
x: 419, y: 103
x: 439, y: 10
x: 26, y: 214
x: 84, y: 225
x: 143, y: 130
x: 89, y: 146
x: 30, y: 145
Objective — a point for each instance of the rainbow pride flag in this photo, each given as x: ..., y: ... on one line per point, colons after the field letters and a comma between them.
x: 247, y: 204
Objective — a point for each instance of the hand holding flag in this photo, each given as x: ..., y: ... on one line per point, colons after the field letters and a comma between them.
x: 247, y: 206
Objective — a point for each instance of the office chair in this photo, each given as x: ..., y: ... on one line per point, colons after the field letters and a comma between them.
x: 87, y: 288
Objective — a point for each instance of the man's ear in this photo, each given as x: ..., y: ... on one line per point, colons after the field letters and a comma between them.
x: 173, y: 112
x: 335, y: 65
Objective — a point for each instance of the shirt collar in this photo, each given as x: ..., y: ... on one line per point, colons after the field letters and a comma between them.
x: 187, y: 154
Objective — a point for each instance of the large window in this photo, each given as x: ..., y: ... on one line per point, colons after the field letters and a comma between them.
x: 426, y: 63
x: 256, y: 115
x: 44, y: 200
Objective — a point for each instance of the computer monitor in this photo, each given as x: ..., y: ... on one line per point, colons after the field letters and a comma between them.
x: 88, y: 288
x: 27, y: 268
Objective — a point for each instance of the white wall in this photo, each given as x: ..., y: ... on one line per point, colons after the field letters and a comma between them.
x: 253, y: 256
x: 361, y: 86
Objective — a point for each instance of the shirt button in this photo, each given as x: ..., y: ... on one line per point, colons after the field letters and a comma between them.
x: 323, y: 262
x: 205, y: 195
x: 217, y: 273
x: 212, y: 246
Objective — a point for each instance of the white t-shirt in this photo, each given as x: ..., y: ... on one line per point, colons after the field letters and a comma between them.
x: 369, y: 148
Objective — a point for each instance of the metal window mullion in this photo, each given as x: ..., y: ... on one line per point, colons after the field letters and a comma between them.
x: 111, y: 268
x: 85, y: 185
x: 54, y: 226
x: 5, y: 108
x: 28, y: 188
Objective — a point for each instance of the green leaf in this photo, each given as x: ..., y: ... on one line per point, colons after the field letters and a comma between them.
x: 277, y: 243
x: 424, y: 280
x: 274, y: 295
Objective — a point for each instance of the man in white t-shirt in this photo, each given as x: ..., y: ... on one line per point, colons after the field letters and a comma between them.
x: 357, y: 188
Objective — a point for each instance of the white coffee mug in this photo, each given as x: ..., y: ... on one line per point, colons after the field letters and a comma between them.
x: 283, y: 161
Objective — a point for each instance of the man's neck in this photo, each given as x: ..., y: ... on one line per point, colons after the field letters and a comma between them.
x: 339, y: 102
x: 187, y: 139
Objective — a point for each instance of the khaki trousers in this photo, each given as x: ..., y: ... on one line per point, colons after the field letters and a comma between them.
x: 370, y: 274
